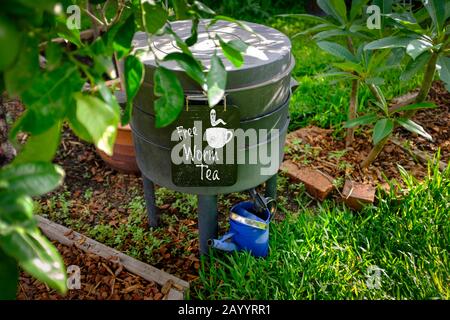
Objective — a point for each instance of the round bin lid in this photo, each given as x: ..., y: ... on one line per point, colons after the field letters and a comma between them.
x: 267, y: 57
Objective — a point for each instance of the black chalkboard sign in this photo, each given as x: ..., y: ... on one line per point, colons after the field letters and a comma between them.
x: 203, y: 146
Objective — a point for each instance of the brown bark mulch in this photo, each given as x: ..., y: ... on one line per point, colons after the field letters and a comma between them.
x: 100, y: 279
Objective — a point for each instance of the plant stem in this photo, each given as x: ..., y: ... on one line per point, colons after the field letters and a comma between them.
x: 352, y: 112
x: 353, y: 101
x: 374, y: 152
x: 426, y: 83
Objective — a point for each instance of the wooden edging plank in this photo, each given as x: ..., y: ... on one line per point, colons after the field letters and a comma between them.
x: 69, y: 237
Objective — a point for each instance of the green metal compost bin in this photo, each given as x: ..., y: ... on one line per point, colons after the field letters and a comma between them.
x: 260, y: 90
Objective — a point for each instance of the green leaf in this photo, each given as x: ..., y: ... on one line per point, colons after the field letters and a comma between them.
x: 349, y: 66
x: 216, y: 80
x: 124, y: 36
x: 416, y: 106
x: 18, y: 77
x: 134, y: 75
x: 388, y: 42
x: 414, y: 127
x: 15, y: 208
x: 337, y: 50
x: 375, y: 80
x: 189, y: 65
x: 367, y: 119
x: 204, y: 8
x: 180, y: 43
x: 436, y: 9
x: 339, y: 75
x: 40, y: 147
x: 194, y: 33
x: 171, y: 97
x: 356, y: 9
x: 315, y: 29
x: 335, y: 33
x: 414, y: 66
x: 32, y: 178
x: 382, y: 129
x: 155, y: 17
x: 307, y: 17
x: 53, y: 55
x: 232, y: 51
x: 37, y: 256
x: 49, y: 99
x: 72, y: 35
x: 95, y: 121
x: 416, y: 47
x: 181, y: 9
x: 443, y: 68
x: 334, y: 8
x: 9, y: 277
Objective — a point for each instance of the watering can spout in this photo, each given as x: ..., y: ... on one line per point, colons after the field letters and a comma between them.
x: 223, y: 244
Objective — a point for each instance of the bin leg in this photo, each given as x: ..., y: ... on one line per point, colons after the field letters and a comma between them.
x: 271, y: 187
x: 207, y: 221
x: 149, y: 195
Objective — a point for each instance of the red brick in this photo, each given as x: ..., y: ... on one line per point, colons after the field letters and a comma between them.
x: 316, y: 183
x: 357, y: 195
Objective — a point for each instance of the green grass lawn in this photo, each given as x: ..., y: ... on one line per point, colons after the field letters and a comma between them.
x: 329, y: 252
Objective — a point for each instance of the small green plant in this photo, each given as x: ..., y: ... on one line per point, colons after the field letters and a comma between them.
x: 347, y: 25
x: 384, y: 123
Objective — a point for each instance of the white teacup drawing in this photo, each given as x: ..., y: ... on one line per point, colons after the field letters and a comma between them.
x: 218, y: 137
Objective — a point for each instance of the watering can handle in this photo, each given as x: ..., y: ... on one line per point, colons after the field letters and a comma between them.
x: 261, y: 203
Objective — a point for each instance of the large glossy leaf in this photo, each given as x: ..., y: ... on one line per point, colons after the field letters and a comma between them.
x: 367, y: 119
x: 134, y: 75
x: 410, y: 125
x: 155, y: 17
x: 32, y: 179
x: 216, y: 80
x: 171, y: 97
x: 49, y: 99
x: 189, y: 65
x: 18, y: 78
x: 436, y: 10
x: 443, y: 68
x: 337, y: 50
x: 416, y: 47
x: 9, y: 276
x: 414, y: 66
x: 334, y: 8
x: 40, y: 147
x: 382, y: 129
x: 232, y: 50
x: 37, y: 256
x: 417, y: 106
x: 389, y: 42
x: 95, y: 121
x: 15, y: 208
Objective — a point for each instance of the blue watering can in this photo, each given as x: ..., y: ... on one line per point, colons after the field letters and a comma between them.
x: 249, y: 227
